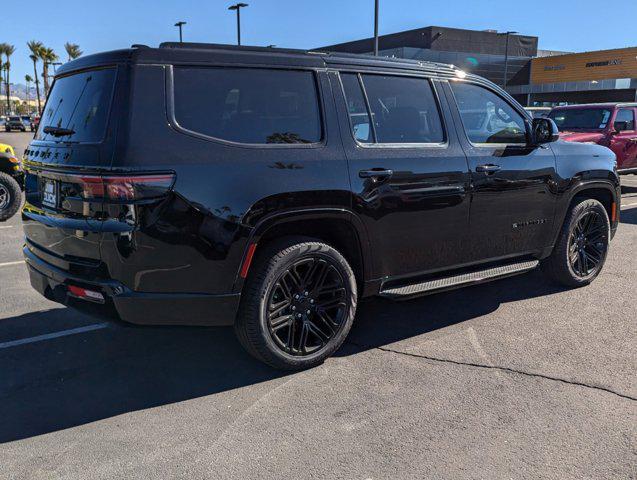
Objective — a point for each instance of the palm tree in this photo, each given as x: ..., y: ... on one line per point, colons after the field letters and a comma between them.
x: 36, y: 48
x: 48, y: 56
x: 28, y: 79
x: 7, y: 50
x: 72, y: 50
x: 3, y: 48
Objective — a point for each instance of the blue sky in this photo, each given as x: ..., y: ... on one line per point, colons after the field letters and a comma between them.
x: 105, y: 25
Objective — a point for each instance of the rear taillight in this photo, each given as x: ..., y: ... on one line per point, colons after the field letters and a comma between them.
x: 126, y: 188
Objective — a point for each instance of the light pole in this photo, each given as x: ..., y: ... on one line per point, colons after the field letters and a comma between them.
x: 238, y: 7
x: 506, y: 56
x: 376, y: 28
x: 180, y: 25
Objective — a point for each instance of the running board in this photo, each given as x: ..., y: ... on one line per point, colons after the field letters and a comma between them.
x: 456, y: 281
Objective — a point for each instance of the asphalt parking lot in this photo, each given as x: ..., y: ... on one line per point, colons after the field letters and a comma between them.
x: 513, y: 379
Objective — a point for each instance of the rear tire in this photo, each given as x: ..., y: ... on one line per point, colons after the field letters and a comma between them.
x: 581, y: 249
x: 10, y: 196
x: 298, y: 304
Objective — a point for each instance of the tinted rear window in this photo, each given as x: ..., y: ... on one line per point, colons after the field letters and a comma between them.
x: 248, y: 105
x: 81, y: 103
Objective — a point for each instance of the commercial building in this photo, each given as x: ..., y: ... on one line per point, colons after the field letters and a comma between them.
x: 588, y: 77
x: 534, y: 77
x: 484, y: 53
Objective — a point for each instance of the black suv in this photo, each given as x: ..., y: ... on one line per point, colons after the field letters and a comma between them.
x: 271, y: 189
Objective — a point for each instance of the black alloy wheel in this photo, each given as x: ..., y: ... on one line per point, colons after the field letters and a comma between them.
x: 307, y: 306
x: 588, y: 243
x: 298, y: 303
x: 582, y: 245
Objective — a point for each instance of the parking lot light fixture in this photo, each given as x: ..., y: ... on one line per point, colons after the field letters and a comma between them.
x: 179, y: 25
x: 376, y: 27
x: 506, y: 56
x: 237, y: 7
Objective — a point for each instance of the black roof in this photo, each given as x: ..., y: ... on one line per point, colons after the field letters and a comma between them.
x: 206, y: 53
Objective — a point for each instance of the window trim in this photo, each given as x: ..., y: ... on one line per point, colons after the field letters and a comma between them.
x: 172, y: 119
x: 524, y: 116
x: 375, y: 143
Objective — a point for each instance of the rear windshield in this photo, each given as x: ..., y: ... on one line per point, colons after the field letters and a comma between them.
x: 581, y: 118
x: 78, y: 104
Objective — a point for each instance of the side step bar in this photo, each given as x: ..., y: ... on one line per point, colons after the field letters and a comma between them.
x: 456, y: 281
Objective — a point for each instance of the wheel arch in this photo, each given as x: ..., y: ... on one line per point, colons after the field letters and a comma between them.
x: 338, y: 227
x: 604, y: 191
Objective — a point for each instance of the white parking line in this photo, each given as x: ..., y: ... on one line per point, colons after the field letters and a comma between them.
x: 8, y: 264
x: 49, y: 336
x: 6, y: 226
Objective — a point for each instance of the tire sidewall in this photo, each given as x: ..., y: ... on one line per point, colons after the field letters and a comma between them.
x: 299, y: 252
x: 15, y: 195
x: 577, y: 213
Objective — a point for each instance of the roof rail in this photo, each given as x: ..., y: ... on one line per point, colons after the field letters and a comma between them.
x: 222, y: 46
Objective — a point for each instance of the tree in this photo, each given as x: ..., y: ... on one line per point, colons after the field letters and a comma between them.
x: 48, y: 56
x: 35, y: 48
x: 72, y: 50
x: 7, y: 50
x: 28, y: 79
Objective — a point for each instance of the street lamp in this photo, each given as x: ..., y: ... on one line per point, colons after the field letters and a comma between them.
x: 376, y: 28
x: 238, y: 7
x: 180, y: 25
x: 506, y: 56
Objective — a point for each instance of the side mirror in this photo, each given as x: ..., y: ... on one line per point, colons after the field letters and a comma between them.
x: 620, y: 126
x: 544, y: 131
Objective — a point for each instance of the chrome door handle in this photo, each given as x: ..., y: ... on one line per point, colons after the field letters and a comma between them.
x: 488, y: 168
x: 376, y: 173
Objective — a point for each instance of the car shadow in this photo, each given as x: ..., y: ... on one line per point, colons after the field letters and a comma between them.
x: 381, y: 322
x: 75, y: 380
x: 629, y: 215
x: 629, y: 189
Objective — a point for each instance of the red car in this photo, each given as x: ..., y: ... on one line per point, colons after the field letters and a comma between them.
x: 609, y: 124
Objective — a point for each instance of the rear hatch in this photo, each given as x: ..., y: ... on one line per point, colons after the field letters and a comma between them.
x: 72, y: 149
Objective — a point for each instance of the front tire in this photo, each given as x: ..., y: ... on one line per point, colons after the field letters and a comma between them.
x: 298, y: 304
x: 581, y: 249
x: 10, y: 196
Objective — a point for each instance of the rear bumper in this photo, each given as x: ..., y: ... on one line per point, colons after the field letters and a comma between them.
x: 133, y: 307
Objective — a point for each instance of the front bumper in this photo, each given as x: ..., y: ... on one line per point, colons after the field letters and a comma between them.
x: 124, y: 304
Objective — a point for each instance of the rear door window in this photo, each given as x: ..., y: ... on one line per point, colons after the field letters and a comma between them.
x: 404, y: 109
x: 248, y: 105
x: 356, y: 108
x: 79, y: 103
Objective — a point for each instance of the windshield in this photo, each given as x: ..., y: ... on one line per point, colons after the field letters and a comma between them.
x: 78, y: 104
x: 14, y: 119
x: 581, y: 118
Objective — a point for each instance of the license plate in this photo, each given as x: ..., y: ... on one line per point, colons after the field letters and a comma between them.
x: 49, y: 193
